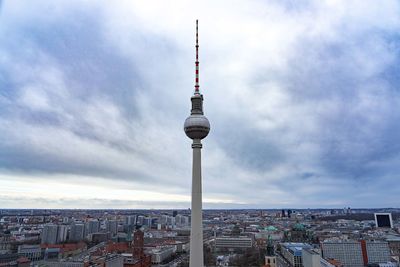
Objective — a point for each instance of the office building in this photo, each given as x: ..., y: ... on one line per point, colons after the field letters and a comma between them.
x: 310, y: 258
x: 62, y: 232
x: 92, y: 226
x: 357, y: 253
x: 161, y: 254
x: 147, y: 221
x: 49, y: 234
x: 32, y: 252
x: 140, y: 219
x: 181, y: 220
x: 292, y: 253
x: 112, y: 227
x: 377, y: 251
x: 77, y: 232
x: 348, y: 253
x: 130, y: 220
x: 233, y: 242
x: 163, y: 219
x: 383, y: 220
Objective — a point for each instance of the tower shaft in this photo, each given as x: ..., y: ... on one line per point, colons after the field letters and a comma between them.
x: 196, y: 127
x: 196, y: 232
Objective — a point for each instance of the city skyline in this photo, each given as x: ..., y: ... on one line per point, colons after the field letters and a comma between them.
x: 303, y: 98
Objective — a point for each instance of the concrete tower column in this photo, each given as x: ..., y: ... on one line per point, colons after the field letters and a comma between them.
x: 196, y: 232
x: 196, y: 128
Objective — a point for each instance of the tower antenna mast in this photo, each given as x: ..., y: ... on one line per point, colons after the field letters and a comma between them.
x: 197, y: 85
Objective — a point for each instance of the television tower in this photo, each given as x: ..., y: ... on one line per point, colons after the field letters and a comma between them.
x: 196, y: 128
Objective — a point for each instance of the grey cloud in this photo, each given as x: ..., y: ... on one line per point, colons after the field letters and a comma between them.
x: 294, y: 117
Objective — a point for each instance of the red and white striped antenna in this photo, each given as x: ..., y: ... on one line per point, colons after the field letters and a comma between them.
x: 197, y: 86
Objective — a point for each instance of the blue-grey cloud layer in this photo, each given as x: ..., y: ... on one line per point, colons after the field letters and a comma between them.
x: 303, y: 98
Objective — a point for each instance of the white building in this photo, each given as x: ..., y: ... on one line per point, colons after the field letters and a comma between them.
x: 311, y: 258
x: 161, y: 254
x: 32, y: 252
x: 233, y: 242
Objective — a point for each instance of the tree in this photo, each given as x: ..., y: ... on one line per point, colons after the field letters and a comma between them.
x: 209, y: 257
x: 251, y: 257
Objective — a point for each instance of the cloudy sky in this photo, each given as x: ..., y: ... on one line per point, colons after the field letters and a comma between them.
x: 302, y: 96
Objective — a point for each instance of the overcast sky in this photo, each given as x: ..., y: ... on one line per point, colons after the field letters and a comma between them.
x: 302, y: 96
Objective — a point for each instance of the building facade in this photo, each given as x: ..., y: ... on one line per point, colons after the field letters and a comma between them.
x: 311, y: 258
x: 77, y: 232
x: 233, y: 242
x: 32, y: 252
x: 92, y: 226
x: 161, y: 254
x: 357, y: 253
x: 49, y: 234
x: 292, y: 253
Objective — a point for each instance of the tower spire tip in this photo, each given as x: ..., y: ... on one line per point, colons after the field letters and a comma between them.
x: 197, y: 85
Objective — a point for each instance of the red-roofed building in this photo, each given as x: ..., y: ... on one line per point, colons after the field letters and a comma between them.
x: 67, y: 250
x: 118, y: 247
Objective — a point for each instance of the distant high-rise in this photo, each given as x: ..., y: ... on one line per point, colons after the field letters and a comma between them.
x: 77, y: 232
x: 49, y: 234
x: 93, y: 226
x: 196, y: 128
x: 53, y: 234
x: 130, y: 220
x: 181, y: 220
x: 112, y: 227
x: 147, y: 222
x: 62, y: 232
x: 289, y: 213
x: 383, y: 220
x: 140, y: 219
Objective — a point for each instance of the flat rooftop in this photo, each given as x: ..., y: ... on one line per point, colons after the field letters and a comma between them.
x: 296, y: 248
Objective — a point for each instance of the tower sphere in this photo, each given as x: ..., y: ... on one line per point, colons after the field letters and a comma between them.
x: 196, y: 126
